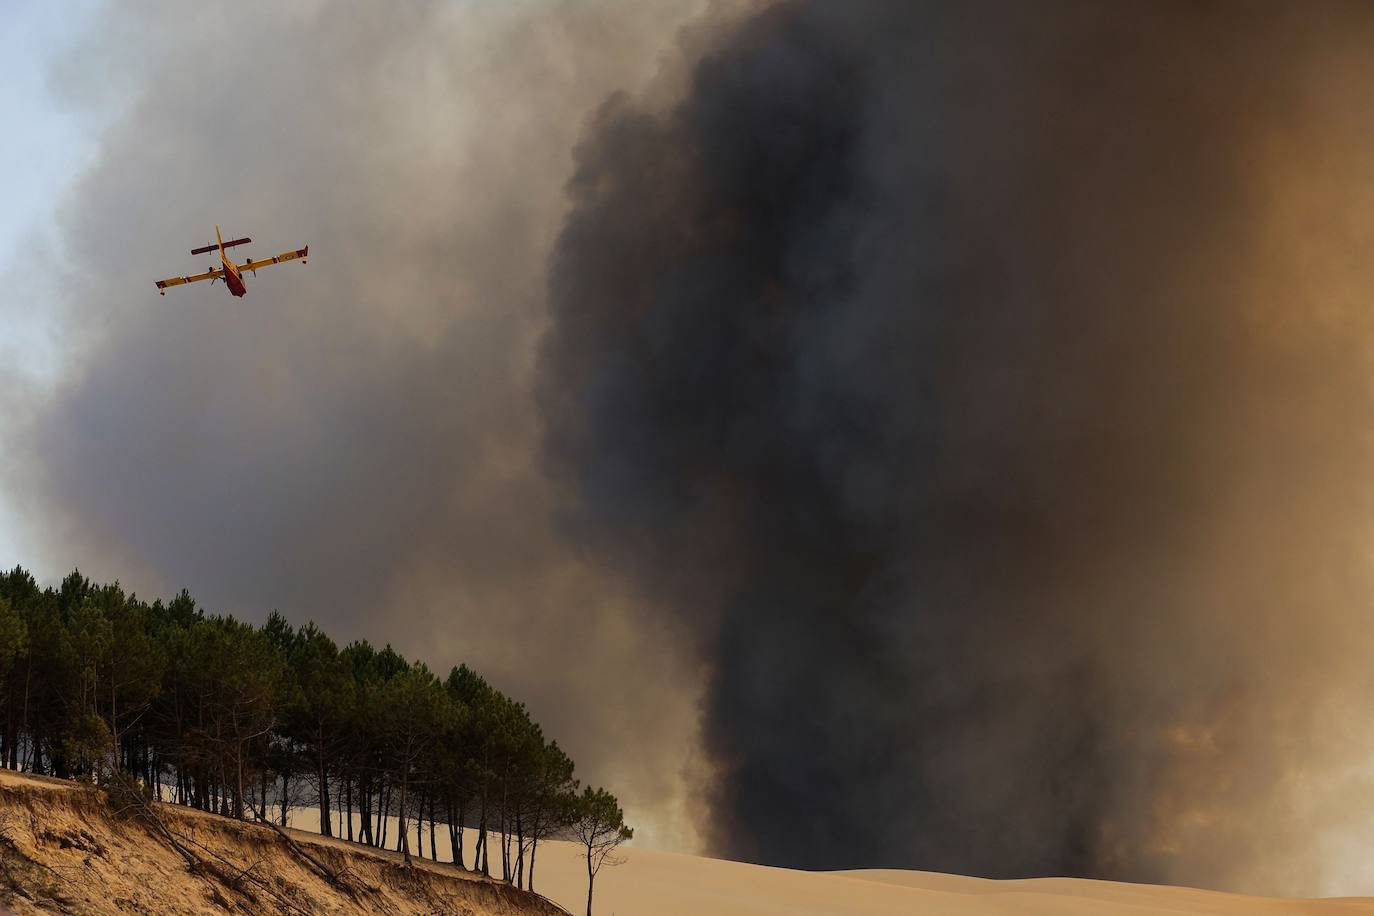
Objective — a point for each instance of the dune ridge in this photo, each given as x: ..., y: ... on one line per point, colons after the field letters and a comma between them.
x: 64, y: 849
x: 673, y: 884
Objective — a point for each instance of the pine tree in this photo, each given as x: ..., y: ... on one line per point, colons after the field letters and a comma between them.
x: 600, y: 828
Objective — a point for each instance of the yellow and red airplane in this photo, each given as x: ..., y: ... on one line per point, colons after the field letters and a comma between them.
x: 228, y: 271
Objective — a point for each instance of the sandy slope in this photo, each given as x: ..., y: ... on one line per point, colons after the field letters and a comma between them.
x: 62, y: 850
x: 664, y: 884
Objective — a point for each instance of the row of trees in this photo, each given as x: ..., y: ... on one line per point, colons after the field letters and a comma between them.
x: 211, y: 712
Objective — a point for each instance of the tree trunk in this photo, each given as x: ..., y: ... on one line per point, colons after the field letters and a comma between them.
x: 505, y: 832
x: 458, y: 848
x: 365, y: 809
x: 482, y: 838
x: 401, y: 823
x: 285, y: 789
x: 420, y: 826
x: 114, y: 718
x: 11, y: 737
x: 325, y: 827
x: 433, y: 849
x: 33, y: 740
x: 455, y: 847
x: 238, y: 797
x: 384, y: 808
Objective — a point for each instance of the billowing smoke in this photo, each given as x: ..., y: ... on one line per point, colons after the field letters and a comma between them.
x: 983, y: 390
x: 974, y: 397
x: 354, y: 441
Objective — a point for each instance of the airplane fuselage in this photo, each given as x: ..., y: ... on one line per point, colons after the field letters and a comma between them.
x: 232, y: 278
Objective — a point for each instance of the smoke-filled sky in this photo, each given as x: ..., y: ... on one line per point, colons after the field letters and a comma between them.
x: 871, y: 434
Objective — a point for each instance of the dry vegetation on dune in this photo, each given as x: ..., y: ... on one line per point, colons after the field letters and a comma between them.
x: 70, y: 848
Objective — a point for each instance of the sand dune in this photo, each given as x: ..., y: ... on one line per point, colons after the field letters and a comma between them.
x: 652, y: 883
x: 665, y: 884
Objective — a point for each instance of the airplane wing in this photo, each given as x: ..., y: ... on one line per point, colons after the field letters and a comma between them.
x: 301, y: 253
x: 195, y: 278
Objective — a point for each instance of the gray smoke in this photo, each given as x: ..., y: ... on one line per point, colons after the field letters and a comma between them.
x: 972, y: 397
x: 354, y: 441
x: 982, y: 391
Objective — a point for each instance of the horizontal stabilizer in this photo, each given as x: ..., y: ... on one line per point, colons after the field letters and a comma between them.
x: 226, y: 245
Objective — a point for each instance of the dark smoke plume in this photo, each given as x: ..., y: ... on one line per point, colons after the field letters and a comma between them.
x: 978, y: 393
x: 982, y: 389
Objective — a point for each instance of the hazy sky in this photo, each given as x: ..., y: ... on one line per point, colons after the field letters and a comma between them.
x: 43, y: 157
x: 37, y: 164
x: 810, y: 410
